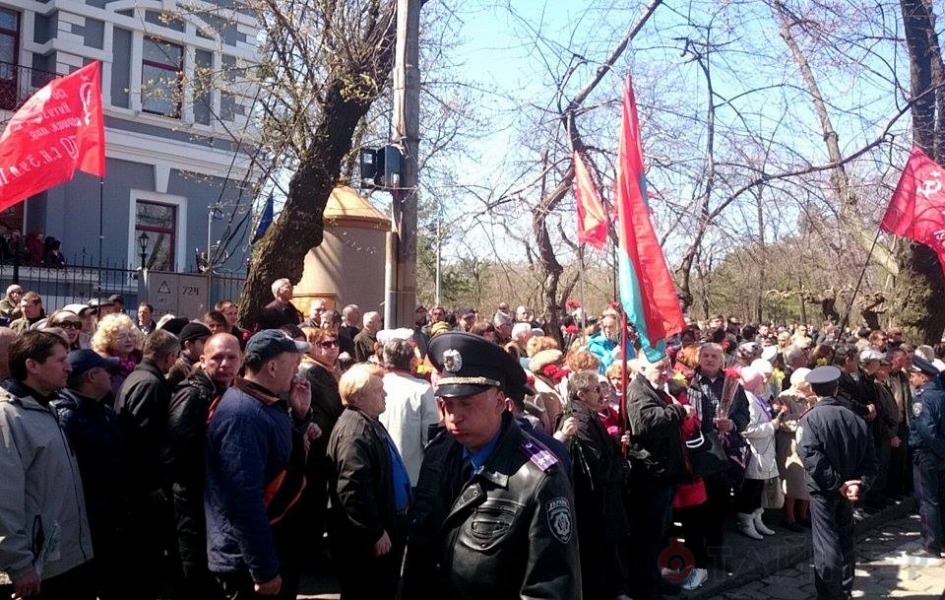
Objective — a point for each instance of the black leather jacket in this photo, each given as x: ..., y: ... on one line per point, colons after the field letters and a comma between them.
x: 655, y: 432
x: 509, y: 532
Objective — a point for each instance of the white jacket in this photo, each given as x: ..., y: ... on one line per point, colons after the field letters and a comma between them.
x: 411, y: 409
x: 40, y: 490
x: 760, y: 436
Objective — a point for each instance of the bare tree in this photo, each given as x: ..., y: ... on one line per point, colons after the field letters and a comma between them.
x: 325, y: 62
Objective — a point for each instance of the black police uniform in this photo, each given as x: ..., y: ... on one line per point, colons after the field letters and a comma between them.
x: 506, y: 530
x: 927, y: 440
x: 836, y: 447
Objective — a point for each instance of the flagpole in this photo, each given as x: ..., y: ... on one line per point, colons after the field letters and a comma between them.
x: 614, y: 273
x: 581, y: 275
x: 101, y: 229
x: 856, y: 290
x: 624, y: 382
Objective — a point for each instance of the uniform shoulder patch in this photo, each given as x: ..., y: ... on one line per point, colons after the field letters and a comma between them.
x: 538, y: 454
x: 917, y: 408
x: 559, y: 519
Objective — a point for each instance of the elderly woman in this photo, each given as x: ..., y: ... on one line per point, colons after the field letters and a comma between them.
x: 791, y: 404
x: 117, y: 336
x: 69, y: 323
x: 600, y: 472
x: 546, y: 365
x: 763, y: 466
x: 10, y: 305
x: 370, y: 491
x: 320, y: 367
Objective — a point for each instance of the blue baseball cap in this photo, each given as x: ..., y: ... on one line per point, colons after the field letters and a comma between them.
x: 270, y: 343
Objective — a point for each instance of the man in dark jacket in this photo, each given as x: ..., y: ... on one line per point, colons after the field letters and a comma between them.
x: 182, y: 456
x: 92, y: 428
x: 370, y: 489
x: 927, y: 440
x: 142, y: 414
x: 600, y: 479
x: 722, y: 407
x: 192, y: 338
x: 837, y: 450
x: 654, y: 427
x: 280, y: 311
x: 255, y: 459
x: 493, y: 511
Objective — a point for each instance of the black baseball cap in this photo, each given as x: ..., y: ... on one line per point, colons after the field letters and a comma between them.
x: 85, y: 360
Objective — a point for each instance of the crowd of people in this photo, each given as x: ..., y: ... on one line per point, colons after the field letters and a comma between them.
x: 462, y: 457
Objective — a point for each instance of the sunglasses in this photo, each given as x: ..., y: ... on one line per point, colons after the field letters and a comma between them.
x: 328, y: 343
x: 68, y: 324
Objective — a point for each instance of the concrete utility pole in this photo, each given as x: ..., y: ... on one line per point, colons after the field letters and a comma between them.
x: 402, y: 293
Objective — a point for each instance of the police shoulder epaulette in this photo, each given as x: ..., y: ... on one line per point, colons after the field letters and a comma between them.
x: 538, y: 454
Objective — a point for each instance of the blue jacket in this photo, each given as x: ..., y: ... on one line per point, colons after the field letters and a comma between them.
x: 927, y: 425
x: 249, y: 443
x: 603, y: 348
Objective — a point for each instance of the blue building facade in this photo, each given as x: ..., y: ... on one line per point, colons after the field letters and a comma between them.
x: 177, y: 103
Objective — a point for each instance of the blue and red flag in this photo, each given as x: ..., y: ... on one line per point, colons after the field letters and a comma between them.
x: 647, y: 292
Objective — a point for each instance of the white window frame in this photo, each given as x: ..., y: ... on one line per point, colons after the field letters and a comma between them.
x: 180, y: 248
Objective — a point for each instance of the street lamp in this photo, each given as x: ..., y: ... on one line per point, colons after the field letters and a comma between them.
x: 143, y: 246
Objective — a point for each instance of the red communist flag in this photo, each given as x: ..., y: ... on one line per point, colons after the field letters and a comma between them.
x: 58, y: 130
x: 917, y: 208
x: 592, y: 220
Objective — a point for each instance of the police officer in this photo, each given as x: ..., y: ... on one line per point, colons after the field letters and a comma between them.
x: 493, y: 512
x: 837, y: 451
x: 927, y: 440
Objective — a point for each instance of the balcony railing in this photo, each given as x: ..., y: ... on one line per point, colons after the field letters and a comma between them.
x: 18, y: 83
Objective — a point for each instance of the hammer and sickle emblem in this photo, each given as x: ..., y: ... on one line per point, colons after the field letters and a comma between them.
x: 931, y: 186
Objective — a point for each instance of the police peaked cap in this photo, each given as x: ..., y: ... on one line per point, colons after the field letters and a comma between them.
x: 469, y: 364
x: 920, y: 365
x: 823, y: 375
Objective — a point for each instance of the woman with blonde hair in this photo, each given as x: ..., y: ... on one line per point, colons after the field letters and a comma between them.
x: 792, y: 403
x: 117, y: 336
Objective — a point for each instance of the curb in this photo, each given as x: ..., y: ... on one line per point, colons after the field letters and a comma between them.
x: 793, y: 554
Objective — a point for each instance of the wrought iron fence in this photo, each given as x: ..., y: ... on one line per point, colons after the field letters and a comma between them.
x: 18, y: 83
x: 82, y: 279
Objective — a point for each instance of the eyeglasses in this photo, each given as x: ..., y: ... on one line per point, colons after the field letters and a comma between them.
x: 68, y: 324
x: 328, y: 343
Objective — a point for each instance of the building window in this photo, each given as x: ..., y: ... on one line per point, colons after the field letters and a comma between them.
x: 9, y: 49
x: 162, y: 78
x: 159, y: 221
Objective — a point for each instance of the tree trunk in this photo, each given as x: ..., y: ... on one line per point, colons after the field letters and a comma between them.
x: 348, y: 95
x: 919, y: 286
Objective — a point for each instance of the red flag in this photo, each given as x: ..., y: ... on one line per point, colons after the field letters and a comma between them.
x: 917, y: 208
x: 647, y: 292
x: 58, y: 130
x: 592, y: 220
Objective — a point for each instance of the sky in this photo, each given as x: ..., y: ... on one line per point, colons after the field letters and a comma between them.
x: 507, y: 76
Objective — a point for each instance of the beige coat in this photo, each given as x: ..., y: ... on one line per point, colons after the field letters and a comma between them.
x: 790, y: 465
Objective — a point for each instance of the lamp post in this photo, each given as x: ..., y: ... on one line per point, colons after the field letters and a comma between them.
x: 143, y: 246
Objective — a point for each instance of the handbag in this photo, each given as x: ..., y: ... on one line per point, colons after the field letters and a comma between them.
x: 706, y: 455
x: 772, y: 496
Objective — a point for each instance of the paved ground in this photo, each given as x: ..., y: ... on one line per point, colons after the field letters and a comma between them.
x: 882, y: 571
x: 779, y: 567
